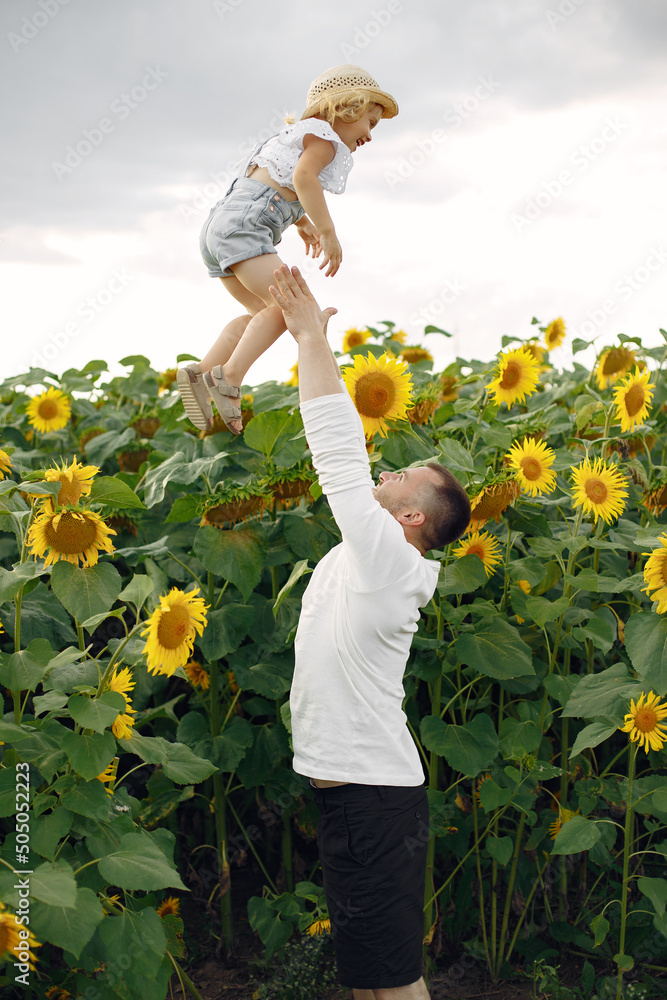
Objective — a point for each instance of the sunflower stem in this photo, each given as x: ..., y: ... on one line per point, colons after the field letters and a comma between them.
x: 480, y: 880
x: 220, y: 813
x: 627, y: 844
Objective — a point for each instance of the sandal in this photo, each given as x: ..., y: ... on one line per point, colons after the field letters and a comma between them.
x: 221, y: 393
x: 195, y: 396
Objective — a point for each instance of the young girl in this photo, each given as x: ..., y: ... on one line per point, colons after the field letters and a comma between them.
x: 281, y: 183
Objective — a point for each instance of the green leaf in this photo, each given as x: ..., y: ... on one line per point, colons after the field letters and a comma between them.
x: 467, y: 749
x: 96, y: 713
x: 624, y: 962
x: 270, y: 678
x: 600, y: 927
x: 307, y: 536
x: 605, y: 695
x: 184, y: 509
x: 53, y: 883
x: 231, y: 746
x: 491, y: 795
x: 542, y: 611
x: 90, y: 754
x: 140, y: 939
x: 598, y: 630
x: 455, y: 456
x: 591, y: 736
x: 299, y: 570
x: 88, y: 798
x: 69, y: 928
x: 656, y: 890
x: 48, y: 829
x: 139, y: 864
x: 137, y: 591
x: 263, y: 919
x: 86, y: 592
x: 495, y: 649
x: 519, y: 738
x: 646, y: 643
x: 177, y: 469
x: 236, y: 555
x: 114, y: 493
x: 226, y: 629
x: 500, y: 848
x: 273, y: 433
x: 24, y: 670
x: 11, y: 581
x: 184, y: 767
x: 577, y: 835
x: 462, y: 576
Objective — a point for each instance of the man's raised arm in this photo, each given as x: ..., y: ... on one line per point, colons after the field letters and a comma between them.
x: 319, y: 374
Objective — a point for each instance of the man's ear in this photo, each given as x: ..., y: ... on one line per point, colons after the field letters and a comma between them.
x: 412, y: 517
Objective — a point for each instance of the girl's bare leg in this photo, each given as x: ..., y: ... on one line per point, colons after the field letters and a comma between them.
x: 224, y: 346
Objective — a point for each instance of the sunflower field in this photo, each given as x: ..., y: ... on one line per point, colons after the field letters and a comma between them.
x: 150, y: 586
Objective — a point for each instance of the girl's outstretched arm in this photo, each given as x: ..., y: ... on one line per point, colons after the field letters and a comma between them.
x: 317, y: 154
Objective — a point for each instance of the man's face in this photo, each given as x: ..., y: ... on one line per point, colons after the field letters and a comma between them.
x: 398, y: 491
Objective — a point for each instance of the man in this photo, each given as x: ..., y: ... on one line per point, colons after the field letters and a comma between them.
x: 359, y: 613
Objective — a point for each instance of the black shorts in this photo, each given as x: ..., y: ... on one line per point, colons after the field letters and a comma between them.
x: 372, y: 841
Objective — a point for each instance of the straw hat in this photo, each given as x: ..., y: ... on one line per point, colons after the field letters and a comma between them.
x: 340, y: 80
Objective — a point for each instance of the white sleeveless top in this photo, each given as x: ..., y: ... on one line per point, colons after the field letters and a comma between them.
x: 281, y: 152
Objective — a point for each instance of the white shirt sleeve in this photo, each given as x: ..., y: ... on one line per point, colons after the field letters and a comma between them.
x: 294, y: 135
x: 373, y: 538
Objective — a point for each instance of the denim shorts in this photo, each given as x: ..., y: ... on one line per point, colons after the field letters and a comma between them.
x: 247, y: 222
x: 372, y: 841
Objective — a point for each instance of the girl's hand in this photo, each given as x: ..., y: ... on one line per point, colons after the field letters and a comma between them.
x: 333, y: 254
x: 311, y: 237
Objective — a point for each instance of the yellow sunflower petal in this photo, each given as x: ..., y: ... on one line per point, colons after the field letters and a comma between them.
x: 171, y: 630
x: 613, y: 364
x: 70, y: 536
x: 655, y: 576
x: 554, y: 335
x: 644, y: 724
x: 483, y: 545
x: 354, y: 338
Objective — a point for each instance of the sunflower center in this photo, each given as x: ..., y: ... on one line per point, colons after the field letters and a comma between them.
x: 48, y: 409
x: 511, y: 376
x: 596, y: 491
x: 374, y: 394
x: 617, y: 360
x: 74, y: 534
x: 174, y: 627
x: 355, y: 339
x: 634, y: 399
x: 70, y: 492
x: 646, y: 720
x: 531, y: 468
x: 476, y: 550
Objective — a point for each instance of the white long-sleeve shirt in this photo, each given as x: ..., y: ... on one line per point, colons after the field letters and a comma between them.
x: 359, y: 614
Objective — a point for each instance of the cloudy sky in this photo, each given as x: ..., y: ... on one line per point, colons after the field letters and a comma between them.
x: 524, y: 175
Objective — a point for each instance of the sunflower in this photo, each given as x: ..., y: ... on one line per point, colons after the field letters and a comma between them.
x: 532, y: 461
x: 655, y: 499
x: 492, y: 501
x: 399, y: 335
x: 554, y: 335
x: 146, y: 427
x: 50, y: 411
x: 480, y: 781
x: 294, y: 376
x: 415, y: 354
x: 484, y: 545
x: 449, y: 388
x: 564, y: 816
x: 644, y: 722
x: 69, y: 535
x: 171, y: 630
x: 354, y: 338
x: 517, y: 377
x: 166, y: 380
x: 76, y: 480
x: 288, y: 486
x: 655, y: 575
x: 613, y: 364
x: 380, y: 388
x: 235, y: 503
x: 424, y: 404
x: 5, y: 464
x: 525, y: 586
x: 197, y: 676
x: 537, y: 351
x: 600, y: 489
x: 170, y: 905
x: 109, y: 774
x: 13, y: 947
x: 319, y: 927
x: 123, y: 682
x: 632, y: 398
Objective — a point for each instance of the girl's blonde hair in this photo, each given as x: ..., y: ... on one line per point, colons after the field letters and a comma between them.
x: 349, y: 107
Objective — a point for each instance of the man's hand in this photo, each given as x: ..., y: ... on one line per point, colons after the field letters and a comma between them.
x: 303, y: 316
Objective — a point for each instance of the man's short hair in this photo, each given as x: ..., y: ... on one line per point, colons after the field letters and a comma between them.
x: 447, y: 509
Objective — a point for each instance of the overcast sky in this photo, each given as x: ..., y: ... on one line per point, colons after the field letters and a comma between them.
x: 524, y: 175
